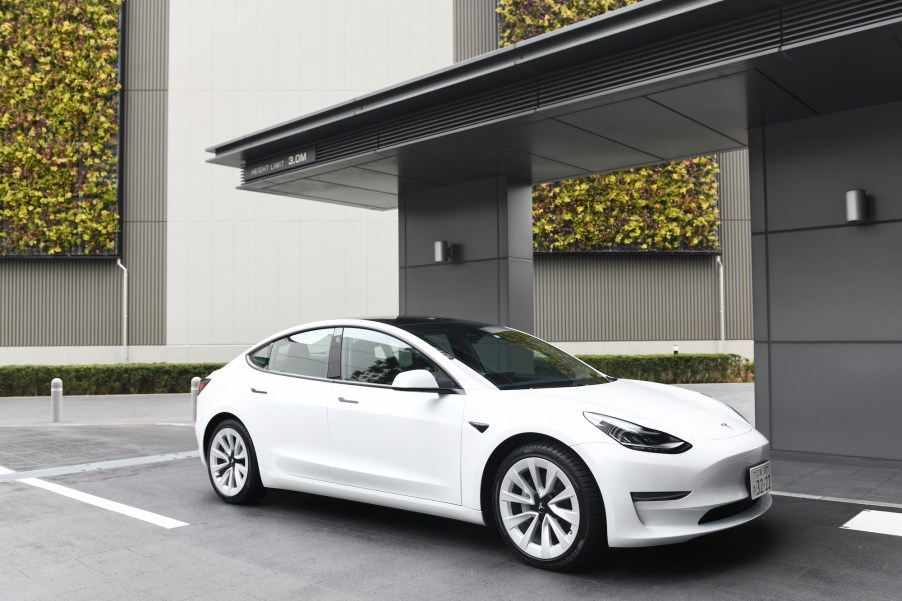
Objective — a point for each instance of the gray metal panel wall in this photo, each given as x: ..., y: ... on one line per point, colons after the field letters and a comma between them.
x: 665, y: 297
x: 475, y: 28
x: 592, y: 297
x: 490, y: 278
x: 59, y: 302
x: 78, y: 302
x: 736, y: 241
x: 827, y: 292
x: 147, y: 50
x: 144, y: 192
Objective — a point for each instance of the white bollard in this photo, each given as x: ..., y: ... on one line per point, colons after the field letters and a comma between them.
x: 56, y: 400
x: 195, y: 386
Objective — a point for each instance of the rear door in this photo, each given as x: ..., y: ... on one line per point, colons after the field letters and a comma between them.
x: 291, y: 392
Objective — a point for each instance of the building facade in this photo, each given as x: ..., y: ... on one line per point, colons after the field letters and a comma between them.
x: 210, y: 270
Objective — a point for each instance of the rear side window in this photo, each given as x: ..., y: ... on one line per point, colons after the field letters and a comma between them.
x: 260, y: 357
x: 302, y: 354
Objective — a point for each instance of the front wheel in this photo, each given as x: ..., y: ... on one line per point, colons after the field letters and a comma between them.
x: 548, y: 508
x: 232, y: 464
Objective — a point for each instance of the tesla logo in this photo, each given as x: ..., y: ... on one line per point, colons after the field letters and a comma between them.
x: 726, y: 425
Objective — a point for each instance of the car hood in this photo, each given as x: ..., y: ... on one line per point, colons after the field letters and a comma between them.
x: 683, y: 413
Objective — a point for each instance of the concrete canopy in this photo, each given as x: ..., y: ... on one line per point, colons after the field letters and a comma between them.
x: 659, y: 80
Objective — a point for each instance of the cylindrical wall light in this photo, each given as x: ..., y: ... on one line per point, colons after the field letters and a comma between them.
x: 856, y: 206
x: 443, y: 253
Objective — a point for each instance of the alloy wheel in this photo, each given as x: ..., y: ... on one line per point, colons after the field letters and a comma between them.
x: 228, y: 462
x: 539, y: 508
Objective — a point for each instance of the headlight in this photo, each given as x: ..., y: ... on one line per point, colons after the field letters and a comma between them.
x: 637, y: 437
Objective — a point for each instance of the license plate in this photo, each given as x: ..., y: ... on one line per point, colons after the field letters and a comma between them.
x: 759, y: 480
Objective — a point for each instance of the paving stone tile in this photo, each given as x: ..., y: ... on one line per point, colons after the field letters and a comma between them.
x: 303, y: 547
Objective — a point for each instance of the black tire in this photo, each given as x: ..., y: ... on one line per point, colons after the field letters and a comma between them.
x: 232, y: 464
x: 567, y: 552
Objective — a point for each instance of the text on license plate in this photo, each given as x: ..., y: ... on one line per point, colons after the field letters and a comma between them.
x: 759, y: 480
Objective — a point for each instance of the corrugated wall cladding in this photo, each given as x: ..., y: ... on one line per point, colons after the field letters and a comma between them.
x: 72, y: 302
x: 144, y: 180
x: 79, y: 302
x: 593, y: 297
x: 147, y: 44
x: 734, y: 185
x: 736, y: 238
x: 145, y: 252
x: 145, y: 156
x: 599, y: 297
x: 144, y: 237
x: 475, y: 28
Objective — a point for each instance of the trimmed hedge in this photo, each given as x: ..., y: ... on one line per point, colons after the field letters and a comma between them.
x: 675, y: 369
x: 133, y: 378
x: 162, y: 378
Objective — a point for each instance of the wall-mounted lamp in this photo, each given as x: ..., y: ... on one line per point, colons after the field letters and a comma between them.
x: 444, y: 252
x: 856, y: 206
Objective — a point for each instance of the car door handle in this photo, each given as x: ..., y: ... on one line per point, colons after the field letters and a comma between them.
x: 258, y: 391
x: 341, y: 399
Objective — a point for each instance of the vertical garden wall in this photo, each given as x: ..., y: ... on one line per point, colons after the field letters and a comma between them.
x: 59, y: 123
x: 661, y: 208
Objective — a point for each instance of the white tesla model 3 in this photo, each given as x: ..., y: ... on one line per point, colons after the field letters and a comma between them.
x: 484, y: 424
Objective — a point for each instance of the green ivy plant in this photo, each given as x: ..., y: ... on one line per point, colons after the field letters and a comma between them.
x: 523, y: 19
x: 668, y: 207
x: 59, y: 104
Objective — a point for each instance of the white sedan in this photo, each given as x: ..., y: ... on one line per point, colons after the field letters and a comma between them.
x: 484, y: 424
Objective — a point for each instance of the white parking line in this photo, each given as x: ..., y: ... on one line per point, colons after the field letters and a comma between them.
x: 133, y: 512
x: 878, y: 522
x: 98, y: 466
x: 797, y: 495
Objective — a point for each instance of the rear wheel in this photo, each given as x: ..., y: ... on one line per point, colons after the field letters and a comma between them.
x: 232, y: 464
x: 548, y: 508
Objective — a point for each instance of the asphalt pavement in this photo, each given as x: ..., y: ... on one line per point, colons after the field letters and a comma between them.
x: 113, y: 503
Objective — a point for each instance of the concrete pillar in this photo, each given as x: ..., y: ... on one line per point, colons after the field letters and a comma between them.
x: 488, y: 223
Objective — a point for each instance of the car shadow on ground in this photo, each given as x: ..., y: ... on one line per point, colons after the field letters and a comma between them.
x: 737, y: 549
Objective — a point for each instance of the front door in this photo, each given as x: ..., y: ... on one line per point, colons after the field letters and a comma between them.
x: 394, y: 441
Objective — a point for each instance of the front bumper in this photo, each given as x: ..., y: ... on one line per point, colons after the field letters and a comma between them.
x: 714, y: 472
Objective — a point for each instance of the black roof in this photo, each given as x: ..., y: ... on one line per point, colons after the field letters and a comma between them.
x: 402, y: 321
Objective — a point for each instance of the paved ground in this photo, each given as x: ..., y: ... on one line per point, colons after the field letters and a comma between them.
x: 740, y: 397
x: 296, y: 546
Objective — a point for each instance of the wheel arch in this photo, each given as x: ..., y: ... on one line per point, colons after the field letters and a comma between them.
x: 213, y: 423
x: 494, y: 461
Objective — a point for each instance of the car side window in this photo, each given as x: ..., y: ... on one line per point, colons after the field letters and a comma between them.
x: 260, y: 357
x: 302, y: 354
x: 377, y: 358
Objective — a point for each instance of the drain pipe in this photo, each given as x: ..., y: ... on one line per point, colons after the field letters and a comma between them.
x: 124, y: 310
x: 723, y: 321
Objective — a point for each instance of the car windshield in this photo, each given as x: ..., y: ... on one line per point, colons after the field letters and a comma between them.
x: 507, y: 358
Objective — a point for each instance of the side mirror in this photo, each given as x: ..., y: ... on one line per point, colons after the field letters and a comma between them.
x: 416, y: 379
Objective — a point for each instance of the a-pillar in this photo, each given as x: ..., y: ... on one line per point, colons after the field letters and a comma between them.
x: 488, y: 224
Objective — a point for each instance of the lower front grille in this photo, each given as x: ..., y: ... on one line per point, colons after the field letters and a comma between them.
x: 725, y: 511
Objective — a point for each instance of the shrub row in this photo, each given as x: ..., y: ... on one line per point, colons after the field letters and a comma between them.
x: 134, y: 378
x: 675, y: 369
x: 161, y: 378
